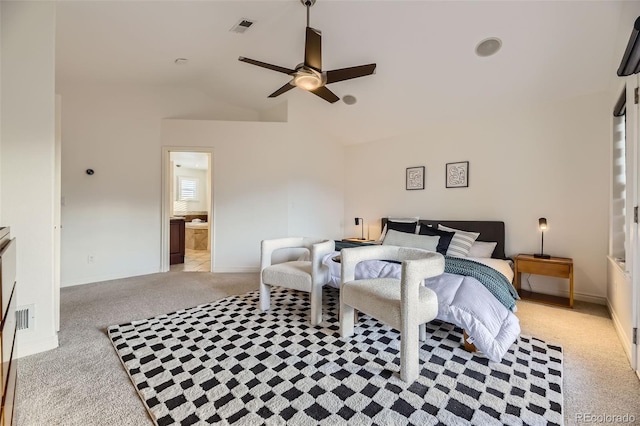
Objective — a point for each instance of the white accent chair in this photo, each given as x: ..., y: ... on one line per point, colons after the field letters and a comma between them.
x: 404, y: 304
x: 304, y: 275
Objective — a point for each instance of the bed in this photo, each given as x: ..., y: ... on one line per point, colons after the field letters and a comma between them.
x: 474, y: 293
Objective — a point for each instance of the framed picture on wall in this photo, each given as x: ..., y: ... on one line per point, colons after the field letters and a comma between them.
x: 415, y: 177
x: 457, y: 175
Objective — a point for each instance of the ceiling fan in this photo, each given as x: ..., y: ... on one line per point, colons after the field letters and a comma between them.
x: 309, y: 75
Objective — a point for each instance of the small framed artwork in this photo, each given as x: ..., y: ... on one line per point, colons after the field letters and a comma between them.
x: 415, y: 177
x: 457, y: 174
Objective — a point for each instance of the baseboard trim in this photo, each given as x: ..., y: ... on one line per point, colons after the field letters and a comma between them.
x: 107, y: 277
x: 35, y: 347
x: 625, y: 340
x: 590, y: 298
x: 236, y: 270
x: 121, y: 275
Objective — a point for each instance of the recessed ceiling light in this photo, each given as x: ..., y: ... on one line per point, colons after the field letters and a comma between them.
x: 488, y: 46
x: 349, y: 99
x: 181, y: 61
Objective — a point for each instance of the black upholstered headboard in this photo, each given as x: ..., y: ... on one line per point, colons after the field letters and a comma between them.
x: 490, y: 231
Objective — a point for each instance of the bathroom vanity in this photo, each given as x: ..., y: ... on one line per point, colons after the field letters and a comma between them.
x: 176, y: 240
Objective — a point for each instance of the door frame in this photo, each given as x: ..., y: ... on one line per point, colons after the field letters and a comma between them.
x: 166, y: 198
x: 57, y: 212
x: 633, y: 110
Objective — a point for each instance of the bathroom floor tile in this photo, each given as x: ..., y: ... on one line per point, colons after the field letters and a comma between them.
x: 194, y: 261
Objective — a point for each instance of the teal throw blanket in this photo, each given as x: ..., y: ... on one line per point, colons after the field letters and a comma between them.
x: 493, y: 280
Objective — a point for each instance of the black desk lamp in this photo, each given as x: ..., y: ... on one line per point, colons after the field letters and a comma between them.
x: 542, y: 224
x: 360, y: 221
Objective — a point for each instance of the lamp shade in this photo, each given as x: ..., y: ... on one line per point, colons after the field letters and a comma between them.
x: 542, y: 223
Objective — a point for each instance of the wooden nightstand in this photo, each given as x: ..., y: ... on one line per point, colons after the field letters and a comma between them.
x: 561, y: 267
x: 356, y: 240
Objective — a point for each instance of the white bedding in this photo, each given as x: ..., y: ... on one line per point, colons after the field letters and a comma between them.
x: 462, y: 301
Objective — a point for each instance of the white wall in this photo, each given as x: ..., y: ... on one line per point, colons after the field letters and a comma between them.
x: 28, y: 158
x: 551, y: 161
x: 316, y: 177
x: 114, y: 215
x: 270, y: 180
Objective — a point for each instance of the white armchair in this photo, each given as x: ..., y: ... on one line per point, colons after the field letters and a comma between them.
x: 304, y: 275
x: 404, y: 304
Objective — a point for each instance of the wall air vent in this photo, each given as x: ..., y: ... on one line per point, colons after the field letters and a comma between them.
x: 25, y: 318
x: 242, y: 25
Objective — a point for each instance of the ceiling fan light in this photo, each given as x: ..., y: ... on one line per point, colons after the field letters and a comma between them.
x: 307, y: 81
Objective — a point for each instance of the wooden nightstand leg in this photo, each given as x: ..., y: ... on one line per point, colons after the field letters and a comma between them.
x: 571, y: 286
x: 469, y: 347
x: 516, y: 279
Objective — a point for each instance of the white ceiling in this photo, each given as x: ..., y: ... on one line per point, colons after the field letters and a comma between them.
x: 426, y: 67
x: 190, y: 160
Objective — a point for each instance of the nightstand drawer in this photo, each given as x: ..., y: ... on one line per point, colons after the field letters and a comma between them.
x: 543, y: 268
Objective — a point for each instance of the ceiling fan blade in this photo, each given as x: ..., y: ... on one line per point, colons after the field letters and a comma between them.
x: 349, y: 73
x: 266, y: 65
x: 313, y: 49
x: 283, y: 89
x: 325, y: 94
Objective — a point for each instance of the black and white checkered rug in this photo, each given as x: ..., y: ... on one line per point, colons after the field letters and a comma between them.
x: 229, y: 363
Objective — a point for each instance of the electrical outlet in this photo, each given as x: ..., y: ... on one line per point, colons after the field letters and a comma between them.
x: 90, y: 259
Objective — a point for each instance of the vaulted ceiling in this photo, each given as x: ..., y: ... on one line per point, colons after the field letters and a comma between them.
x: 427, y: 69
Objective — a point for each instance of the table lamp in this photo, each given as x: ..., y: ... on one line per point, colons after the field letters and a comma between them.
x: 360, y: 221
x: 542, y: 224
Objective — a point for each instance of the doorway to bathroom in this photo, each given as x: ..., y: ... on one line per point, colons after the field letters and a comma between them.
x: 187, y: 210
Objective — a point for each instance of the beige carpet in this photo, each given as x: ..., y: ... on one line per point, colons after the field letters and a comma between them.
x: 83, y: 383
x: 598, y: 378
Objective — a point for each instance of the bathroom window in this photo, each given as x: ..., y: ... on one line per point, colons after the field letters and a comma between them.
x: 187, y: 189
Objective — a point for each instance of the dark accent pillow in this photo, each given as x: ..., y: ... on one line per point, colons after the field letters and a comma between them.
x: 408, y: 227
x: 445, y: 237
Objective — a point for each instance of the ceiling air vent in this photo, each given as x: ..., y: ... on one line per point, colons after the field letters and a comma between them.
x: 242, y: 26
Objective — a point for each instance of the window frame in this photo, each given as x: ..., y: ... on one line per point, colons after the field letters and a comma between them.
x: 181, y: 190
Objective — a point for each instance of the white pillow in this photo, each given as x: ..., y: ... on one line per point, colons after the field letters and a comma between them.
x: 399, y: 219
x: 403, y: 239
x: 482, y: 249
x: 461, y: 242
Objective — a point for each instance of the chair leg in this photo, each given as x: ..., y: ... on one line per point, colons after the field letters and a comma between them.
x: 316, y: 304
x: 409, y: 355
x: 265, y: 297
x: 346, y: 320
x: 423, y: 332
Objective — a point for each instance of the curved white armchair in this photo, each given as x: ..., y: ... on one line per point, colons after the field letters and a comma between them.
x: 404, y: 304
x: 304, y: 275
